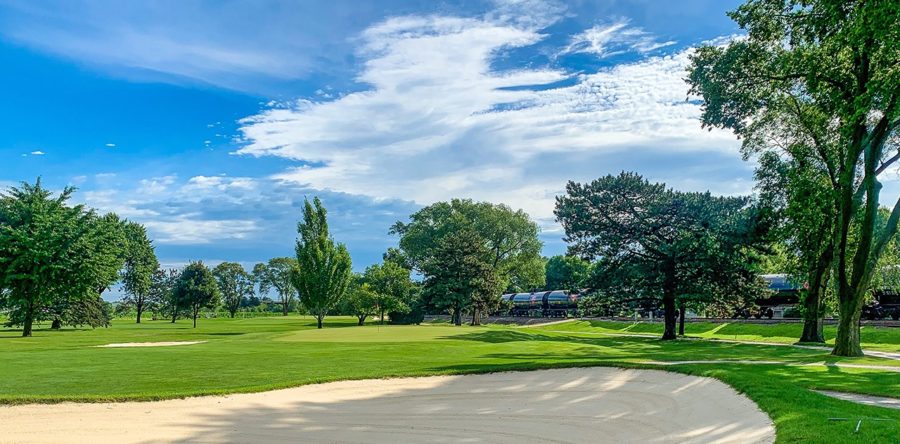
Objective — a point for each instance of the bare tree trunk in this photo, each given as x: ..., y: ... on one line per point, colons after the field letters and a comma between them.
x: 669, y: 303
x: 196, y: 312
x: 813, y: 318
x: 319, y: 319
x: 382, y: 315
x: 681, y: 311
x: 140, y: 310
x: 56, y: 325
x: 362, y: 320
x: 846, y: 343
x: 29, y: 320
x: 284, y: 307
x: 476, y: 319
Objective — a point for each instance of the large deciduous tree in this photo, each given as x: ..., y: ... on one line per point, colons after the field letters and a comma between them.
x: 512, y: 247
x: 818, y: 81
x: 196, y: 289
x: 278, y: 274
x: 235, y: 285
x: 361, y: 300
x: 325, y: 266
x: 391, y: 285
x: 140, y: 264
x: 567, y: 273
x: 654, y: 242
x: 458, y: 277
x: 162, y: 292
x: 51, y: 253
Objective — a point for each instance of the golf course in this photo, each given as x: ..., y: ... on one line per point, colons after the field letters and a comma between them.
x: 229, y: 356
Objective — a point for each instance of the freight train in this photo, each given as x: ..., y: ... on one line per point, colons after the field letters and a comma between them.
x: 563, y: 303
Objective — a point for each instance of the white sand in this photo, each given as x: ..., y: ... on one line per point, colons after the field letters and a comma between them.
x: 149, y: 344
x: 567, y: 405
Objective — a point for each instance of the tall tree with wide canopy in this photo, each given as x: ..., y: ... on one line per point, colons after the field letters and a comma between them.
x: 196, y: 289
x: 140, y: 264
x: 391, y: 285
x: 459, y: 278
x: 51, y: 253
x: 325, y: 266
x: 235, y: 284
x: 278, y: 274
x: 654, y: 242
x: 511, y: 238
x: 818, y: 81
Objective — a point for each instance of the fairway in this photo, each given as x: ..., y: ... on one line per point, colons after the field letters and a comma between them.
x: 253, y: 355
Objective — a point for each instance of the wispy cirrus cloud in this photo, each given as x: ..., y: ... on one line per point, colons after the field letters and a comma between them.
x: 617, y: 37
x: 439, y: 122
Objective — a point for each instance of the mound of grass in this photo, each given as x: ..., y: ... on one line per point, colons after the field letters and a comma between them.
x: 245, y: 355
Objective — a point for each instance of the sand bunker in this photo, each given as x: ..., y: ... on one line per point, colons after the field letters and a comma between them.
x: 150, y: 344
x: 565, y: 405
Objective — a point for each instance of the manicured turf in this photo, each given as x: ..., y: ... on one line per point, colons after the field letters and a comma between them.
x: 258, y: 354
x: 872, y: 338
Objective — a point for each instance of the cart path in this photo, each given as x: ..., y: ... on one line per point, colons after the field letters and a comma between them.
x: 546, y: 406
x: 880, y: 401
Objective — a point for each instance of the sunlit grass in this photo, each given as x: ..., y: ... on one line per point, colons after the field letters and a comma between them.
x: 258, y: 354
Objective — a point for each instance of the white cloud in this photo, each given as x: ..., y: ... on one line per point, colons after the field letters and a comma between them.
x: 37, y: 153
x: 604, y: 40
x: 438, y: 122
x: 110, y: 145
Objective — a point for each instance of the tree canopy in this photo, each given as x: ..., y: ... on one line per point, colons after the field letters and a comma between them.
x: 818, y: 82
x: 196, y: 289
x: 391, y: 286
x: 325, y: 266
x: 235, y: 285
x: 52, y: 253
x: 277, y: 274
x: 656, y: 243
x: 140, y: 264
x: 512, y: 247
x: 567, y: 273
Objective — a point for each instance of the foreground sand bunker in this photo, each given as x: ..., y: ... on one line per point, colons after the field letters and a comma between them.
x: 565, y: 405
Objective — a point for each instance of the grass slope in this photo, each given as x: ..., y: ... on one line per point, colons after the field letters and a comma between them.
x: 872, y: 338
x: 258, y: 354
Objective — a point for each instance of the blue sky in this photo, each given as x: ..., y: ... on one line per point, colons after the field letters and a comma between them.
x: 210, y: 122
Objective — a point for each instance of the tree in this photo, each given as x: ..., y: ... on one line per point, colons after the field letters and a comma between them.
x: 511, y: 238
x: 196, y: 289
x: 235, y: 284
x: 49, y: 252
x: 458, y: 278
x: 657, y: 243
x: 798, y: 197
x: 140, y: 264
x: 567, y: 273
x: 277, y: 274
x: 361, y: 301
x: 161, y: 295
x: 325, y: 267
x: 391, y: 285
x: 817, y: 81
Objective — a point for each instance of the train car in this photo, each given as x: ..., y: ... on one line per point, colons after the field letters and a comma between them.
x: 555, y: 303
x: 786, y: 297
x: 886, y: 304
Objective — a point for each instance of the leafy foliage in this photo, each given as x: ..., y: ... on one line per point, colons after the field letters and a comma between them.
x: 657, y: 243
x: 278, y: 274
x: 195, y: 289
x: 235, y: 285
x: 567, y: 273
x: 325, y: 267
x: 140, y: 264
x: 512, y: 247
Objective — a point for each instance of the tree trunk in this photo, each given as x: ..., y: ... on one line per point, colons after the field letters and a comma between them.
x: 813, y: 318
x: 681, y: 311
x: 29, y: 320
x: 56, y: 325
x: 846, y: 343
x: 362, y: 320
x: 319, y: 319
x: 140, y: 310
x: 476, y: 320
x: 196, y: 312
x: 232, y: 313
x: 284, y: 308
x: 669, y: 303
x: 457, y: 317
x: 382, y: 316
x: 174, y: 314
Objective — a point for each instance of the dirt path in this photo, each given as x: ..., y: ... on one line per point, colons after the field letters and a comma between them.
x: 547, y: 406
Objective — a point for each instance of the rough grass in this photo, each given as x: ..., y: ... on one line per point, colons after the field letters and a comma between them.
x: 245, y: 355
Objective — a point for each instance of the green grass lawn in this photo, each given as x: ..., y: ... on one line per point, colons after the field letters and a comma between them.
x: 872, y: 338
x: 258, y: 354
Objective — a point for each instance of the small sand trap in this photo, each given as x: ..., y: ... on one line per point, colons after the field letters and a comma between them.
x: 150, y: 344
x: 560, y: 406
